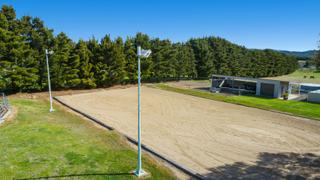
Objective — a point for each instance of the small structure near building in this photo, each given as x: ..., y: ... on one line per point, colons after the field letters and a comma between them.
x: 4, y: 107
x: 308, y: 87
x: 302, y: 64
x: 254, y: 86
x: 314, y: 96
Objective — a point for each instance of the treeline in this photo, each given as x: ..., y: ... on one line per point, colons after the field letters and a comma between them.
x: 94, y: 63
x: 316, y: 58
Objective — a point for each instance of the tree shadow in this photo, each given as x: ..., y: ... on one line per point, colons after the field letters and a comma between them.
x: 202, y: 88
x: 291, y: 166
x: 79, y: 175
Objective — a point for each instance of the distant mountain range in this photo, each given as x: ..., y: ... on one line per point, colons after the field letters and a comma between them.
x: 300, y: 54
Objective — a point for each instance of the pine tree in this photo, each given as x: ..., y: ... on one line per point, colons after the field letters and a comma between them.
x: 186, y: 66
x: 10, y: 15
x: 169, y: 60
x: 100, y: 67
x: 72, y: 71
x: 60, y: 61
x: 18, y: 65
x: 86, y: 74
x: 117, y: 62
x: 39, y: 38
x: 204, y: 57
x: 220, y: 47
x: 157, y: 59
x: 143, y: 40
x: 234, y: 62
x: 131, y: 64
x: 105, y: 68
x: 317, y: 58
x: 4, y: 64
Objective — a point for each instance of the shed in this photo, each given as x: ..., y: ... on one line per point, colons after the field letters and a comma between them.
x: 247, y: 85
x: 308, y: 87
x: 314, y: 96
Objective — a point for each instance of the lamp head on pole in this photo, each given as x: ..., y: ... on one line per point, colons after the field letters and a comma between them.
x: 145, y: 53
x: 49, y: 52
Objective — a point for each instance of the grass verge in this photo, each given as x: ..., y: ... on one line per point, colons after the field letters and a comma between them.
x: 39, y: 144
x: 303, y: 109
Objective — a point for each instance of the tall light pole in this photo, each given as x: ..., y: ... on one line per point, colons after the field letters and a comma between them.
x: 141, y: 53
x: 49, y: 82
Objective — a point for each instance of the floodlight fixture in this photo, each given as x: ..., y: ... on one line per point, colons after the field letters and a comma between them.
x: 141, y: 53
x: 145, y: 53
x: 50, y: 52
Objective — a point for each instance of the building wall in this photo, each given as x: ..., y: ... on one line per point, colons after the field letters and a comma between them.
x: 276, y: 90
x: 314, y: 97
x: 279, y: 86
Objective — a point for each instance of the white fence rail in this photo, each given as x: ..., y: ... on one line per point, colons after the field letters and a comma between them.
x: 4, y: 107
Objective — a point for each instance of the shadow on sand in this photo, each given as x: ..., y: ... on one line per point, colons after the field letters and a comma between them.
x: 202, y: 88
x: 272, y: 166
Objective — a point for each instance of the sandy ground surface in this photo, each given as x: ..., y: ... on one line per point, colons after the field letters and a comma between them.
x: 203, y: 85
x: 209, y: 137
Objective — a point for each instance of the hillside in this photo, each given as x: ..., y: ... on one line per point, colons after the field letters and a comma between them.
x: 300, y: 54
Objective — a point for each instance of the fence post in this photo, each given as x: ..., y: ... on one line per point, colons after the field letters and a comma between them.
x: 4, y: 107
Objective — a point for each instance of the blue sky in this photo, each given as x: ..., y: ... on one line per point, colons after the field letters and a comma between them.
x: 276, y: 24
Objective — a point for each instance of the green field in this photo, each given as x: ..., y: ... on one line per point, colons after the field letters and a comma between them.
x: 303, y: 109
x: 39, y: 144
x: 299, y: 76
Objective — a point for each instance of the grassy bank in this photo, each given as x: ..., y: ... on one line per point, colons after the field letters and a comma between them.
x: 301, y: 76
x: 304, y: 109
x: 41, y: 144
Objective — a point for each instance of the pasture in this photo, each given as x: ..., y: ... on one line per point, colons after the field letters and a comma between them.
x: 300, y: 76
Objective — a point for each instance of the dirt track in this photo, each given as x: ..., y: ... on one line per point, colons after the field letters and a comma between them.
x: 198, y: 133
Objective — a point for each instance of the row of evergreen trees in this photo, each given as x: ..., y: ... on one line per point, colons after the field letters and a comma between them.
x: 93, y: 63
x: 316, y: 60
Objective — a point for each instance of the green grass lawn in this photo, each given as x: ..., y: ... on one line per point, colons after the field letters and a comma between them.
x: 298, y: 76
x: 42, y: 144
x: 304, y: 109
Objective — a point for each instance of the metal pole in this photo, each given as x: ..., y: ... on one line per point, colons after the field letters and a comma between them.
x: 49, y: 82
x: 4, y: 100
x: 139, y: 171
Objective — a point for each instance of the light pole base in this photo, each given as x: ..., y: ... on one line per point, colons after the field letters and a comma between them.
x: 51, y: 110
x: 140, y: 173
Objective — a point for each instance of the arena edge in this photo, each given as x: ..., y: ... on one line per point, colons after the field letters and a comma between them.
x: 295, y: 108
